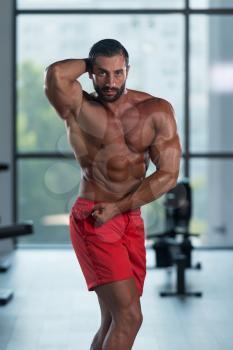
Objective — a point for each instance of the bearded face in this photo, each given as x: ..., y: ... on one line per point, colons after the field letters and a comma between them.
x: 109, y: 94
x: 109, y: 76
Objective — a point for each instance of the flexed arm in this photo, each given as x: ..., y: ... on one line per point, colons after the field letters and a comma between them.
x: 62, y: 88
x: 165, y: 153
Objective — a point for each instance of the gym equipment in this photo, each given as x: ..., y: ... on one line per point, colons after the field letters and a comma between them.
x: 11, y: 231
x: 174, y: 246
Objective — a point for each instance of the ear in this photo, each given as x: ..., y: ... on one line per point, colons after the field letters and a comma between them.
x: 127, y: 69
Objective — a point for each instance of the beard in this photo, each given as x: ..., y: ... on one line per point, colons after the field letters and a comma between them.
x: 117, y: 92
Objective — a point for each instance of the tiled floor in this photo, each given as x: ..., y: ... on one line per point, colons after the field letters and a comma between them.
x: 52, y: 310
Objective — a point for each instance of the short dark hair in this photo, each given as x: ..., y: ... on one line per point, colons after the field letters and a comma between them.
x: 109, y: 48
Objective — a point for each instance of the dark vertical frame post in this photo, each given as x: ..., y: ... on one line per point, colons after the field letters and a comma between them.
x: 186, y: 92
x: 14, y: 110
x: 14, y: 117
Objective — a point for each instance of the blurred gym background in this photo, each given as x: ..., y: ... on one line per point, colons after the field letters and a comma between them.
x: 181, y: 50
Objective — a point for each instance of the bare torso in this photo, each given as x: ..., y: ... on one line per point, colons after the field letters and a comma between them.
x: 112, y: 147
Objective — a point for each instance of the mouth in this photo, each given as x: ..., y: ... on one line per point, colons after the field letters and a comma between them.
x: 110, y: 92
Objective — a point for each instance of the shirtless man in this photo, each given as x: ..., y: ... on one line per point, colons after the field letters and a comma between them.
x: 114, y: 133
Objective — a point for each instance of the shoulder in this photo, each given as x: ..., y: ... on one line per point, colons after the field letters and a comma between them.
x: 161, y: 111
x: 139, y: 97
x: 152, y: 103
x: 159, y: 105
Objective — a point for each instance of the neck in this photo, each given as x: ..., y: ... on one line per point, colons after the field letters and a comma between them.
x: 115, y: 106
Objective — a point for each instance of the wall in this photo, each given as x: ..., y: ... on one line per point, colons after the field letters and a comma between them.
x: 6, y: 61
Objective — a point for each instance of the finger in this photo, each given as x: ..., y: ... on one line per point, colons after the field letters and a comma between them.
x: 97, y: 209
x: 96, y: 214
x: 98, y: 221
x: 98, y: 224
x: 99, y: 206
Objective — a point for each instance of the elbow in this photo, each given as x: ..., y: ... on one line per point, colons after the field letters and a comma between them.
x: 51, y: 75
x: 174, y: 182
x: 168, y: 180
x: 51, y: 71
x: 52, y: 68
x: 173, y: 178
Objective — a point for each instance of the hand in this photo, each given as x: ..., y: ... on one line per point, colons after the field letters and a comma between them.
x: 104, y: 211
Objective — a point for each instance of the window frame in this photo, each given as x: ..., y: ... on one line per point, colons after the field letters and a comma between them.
x: 186, y: 11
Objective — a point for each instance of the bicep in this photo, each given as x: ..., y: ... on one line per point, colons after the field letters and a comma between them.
x: 64, y: 95
x: 165, y: 151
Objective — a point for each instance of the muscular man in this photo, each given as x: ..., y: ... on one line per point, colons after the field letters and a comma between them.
x: 114, y: 133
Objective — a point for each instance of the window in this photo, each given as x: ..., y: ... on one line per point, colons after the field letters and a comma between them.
x: 98, y: 4
x: 203, y: 4
x: 211, y: 83
x: 172, y: 45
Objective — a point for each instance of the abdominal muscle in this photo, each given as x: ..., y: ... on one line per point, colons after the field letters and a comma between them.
x: 110, y: 170
x: 111, y: 178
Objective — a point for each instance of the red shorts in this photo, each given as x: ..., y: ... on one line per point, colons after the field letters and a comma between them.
x: 111, y: 252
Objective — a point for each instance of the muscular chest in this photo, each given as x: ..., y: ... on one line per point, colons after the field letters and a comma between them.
x: 135, y: 134
x: 131, y: 130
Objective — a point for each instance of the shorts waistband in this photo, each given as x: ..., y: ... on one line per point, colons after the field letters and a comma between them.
x: 88, y: 204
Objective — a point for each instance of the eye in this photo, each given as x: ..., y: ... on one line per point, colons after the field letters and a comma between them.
x: 101, y: 73
x: 118, y: 73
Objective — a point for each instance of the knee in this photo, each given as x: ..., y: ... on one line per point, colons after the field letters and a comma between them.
x: 130, y: 318
x: 136, y: 319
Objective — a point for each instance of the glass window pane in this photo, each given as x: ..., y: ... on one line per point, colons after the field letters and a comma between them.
x: 211, y: 4
x: 46, y: 192
x: 97, y: 4
x: 211, y: 83
x: 211, y: 182
x: 38, y: 127
x: 156, y: 58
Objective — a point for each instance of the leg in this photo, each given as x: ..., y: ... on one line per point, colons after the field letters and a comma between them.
x: 106, y: 320
x: 122, y: 299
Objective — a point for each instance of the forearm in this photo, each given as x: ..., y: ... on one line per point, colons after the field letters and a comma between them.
x: 70, y: 69
x: 152, y: 187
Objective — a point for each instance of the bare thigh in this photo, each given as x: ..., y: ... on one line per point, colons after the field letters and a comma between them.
x: 118, y: 297
x: 106, y: 317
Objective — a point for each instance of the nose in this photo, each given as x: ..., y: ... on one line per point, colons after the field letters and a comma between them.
x: 110, y: 81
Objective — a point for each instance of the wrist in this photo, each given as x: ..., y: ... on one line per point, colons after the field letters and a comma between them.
x: 115, y: 209
x: 121, y: 206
